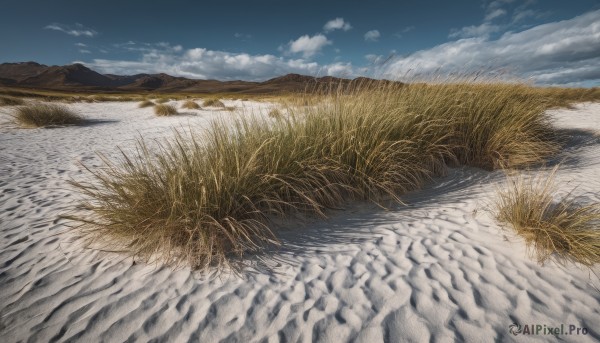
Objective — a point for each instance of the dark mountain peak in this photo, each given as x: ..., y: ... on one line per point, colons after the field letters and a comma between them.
x: 22, y: 64
x: 77, y: 67
x: 291, y: 78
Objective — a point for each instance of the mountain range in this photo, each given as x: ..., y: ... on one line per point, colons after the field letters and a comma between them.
x: 79, y: 78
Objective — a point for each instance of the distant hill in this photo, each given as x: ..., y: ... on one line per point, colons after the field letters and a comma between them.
x: 79, y: 78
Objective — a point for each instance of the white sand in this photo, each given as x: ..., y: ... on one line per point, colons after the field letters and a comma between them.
x: 438, y: 270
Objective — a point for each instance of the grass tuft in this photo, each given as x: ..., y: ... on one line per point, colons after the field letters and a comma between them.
x: 42, y: 115
x: 10, y: 101
x: 145, y: 103
x: 275, y: 113
x: 162, y: 100
x: 213, y: 103
x: 190, y: 104
x: 552, y: 226
x: 205, y: 199
x: 165, y: 110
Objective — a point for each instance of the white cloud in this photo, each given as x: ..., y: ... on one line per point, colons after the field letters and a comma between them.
x: 560, y: 52
x: 373, y: 58
x: 202, y: 63
x: 498, y: 12
x: 372, y: 35
x: 403, y: 31
x: 242, y: 36
x: 80, y: 44
x: 307, y: 45
x: 78, y: 30
x: 84, y: 51
x: 482, y: 30
x: 337, y: 24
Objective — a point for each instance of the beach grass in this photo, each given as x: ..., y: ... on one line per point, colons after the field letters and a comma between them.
x: 162, y: 110
x: 190, y: 104
x: 205, y: 199
x: 44, y: 115
x: 213, y: 102
x: 146, y: 103
x: 11, y: 101
x: 275, y: 113
x: 553, y: 227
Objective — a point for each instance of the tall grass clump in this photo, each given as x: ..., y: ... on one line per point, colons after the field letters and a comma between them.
x: 213, y: 103
x: 162, y: 100
x: 275, y: 113
x: 205, y: 198
x: 10, y: 101
x: 145, y: 103
x: 165, y: 110
x: 190, y: 104
x: 42, y: 115
x: 552, y: 226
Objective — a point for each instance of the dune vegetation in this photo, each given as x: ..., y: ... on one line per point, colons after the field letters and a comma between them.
x: 205, y: 198
x: 146, y: 103
x: 213, y: 102
x: 10, y: 101
x: 275, y: 113
x: 190, y: 104
x: 43, y: 115
x: 162, y: 100
x: 553, y: 227
x: 165, y: 110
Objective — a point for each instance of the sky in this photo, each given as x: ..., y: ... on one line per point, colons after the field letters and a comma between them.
x: 547, y: 42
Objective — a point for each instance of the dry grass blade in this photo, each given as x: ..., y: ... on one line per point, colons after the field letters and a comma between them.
x: 553, y: 227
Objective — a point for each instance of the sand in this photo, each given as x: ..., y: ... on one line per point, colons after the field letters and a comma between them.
x: 437, y: 270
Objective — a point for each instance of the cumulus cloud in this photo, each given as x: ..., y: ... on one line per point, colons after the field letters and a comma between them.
x: 562, y: 52
x: 77, y: 31
x: 203, y: 63
x: 307, y: 45
x: 372, y: 36
x: 337, y: 24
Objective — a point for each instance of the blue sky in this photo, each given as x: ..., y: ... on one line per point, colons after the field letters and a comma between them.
x: 546, y: 41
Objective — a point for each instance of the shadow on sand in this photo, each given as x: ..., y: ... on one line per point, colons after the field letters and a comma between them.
x: 361, y: 222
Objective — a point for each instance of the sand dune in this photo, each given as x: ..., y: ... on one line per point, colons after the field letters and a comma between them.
x: 438, y: 270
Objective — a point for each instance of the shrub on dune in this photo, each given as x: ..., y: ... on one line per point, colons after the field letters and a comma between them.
x: 552, y: 226
x: 190, y: 104
x: 165, y: 110
x: 10, y: 101
x: 145, y: 103
x: 41, y: 115
x: 213, y: 103
x: 205, y: 199
x: 275, y: 113
x: 162, y: 100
